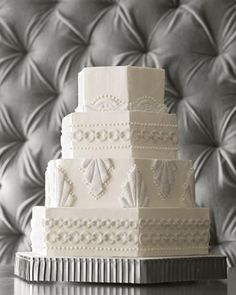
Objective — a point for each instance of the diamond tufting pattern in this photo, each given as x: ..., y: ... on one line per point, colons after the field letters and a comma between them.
x: 44, y: 44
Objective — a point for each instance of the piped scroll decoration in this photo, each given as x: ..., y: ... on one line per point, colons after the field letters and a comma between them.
x: 134, y: 190
x: 96, y: 174
x: 64, y: 196
x: 164, y: 173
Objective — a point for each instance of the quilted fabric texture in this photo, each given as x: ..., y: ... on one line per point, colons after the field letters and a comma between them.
x: 44, y: 44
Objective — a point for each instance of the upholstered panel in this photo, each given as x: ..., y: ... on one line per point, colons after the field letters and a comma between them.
x: 43, y: 44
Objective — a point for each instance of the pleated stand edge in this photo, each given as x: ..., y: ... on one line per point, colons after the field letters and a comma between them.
x: 35, y: 268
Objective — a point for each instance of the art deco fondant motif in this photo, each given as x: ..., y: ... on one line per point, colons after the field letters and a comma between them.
x: 89, y: 233
x: 136, y: 134
x: 188, y: 190
x: 114, y: 223
x: 150, y: 239
x: 147, y: 104
x: 107, y: 102
x: 134, y: 190
x: 164, y: 173
x: 96, y: 174
x: 64, y: 195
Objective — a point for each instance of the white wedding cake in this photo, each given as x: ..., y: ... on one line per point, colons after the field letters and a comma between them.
x: 119, y: 189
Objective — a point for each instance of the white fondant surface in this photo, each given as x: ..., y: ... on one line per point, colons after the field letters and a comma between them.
x: 119, y: 135
x: 122, y: 87
x: 117, y: 183
x: 120, y: 232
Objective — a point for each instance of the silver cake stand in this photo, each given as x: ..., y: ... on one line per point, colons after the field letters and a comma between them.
x: 35, y: 268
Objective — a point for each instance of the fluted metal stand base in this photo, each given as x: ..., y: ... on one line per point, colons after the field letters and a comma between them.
x: 32, y: 267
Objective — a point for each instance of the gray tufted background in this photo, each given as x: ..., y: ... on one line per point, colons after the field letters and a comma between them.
x: 45, y: 43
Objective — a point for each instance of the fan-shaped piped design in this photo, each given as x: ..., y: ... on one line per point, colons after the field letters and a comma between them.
x: 134, y: 190
x: 147, y: 104
x: 63, y: 195
x: 106, y: 103
x: 164, y: 173
x: 96, y: 174
x: 188, y: 196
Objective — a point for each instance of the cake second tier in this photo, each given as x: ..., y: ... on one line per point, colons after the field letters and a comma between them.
x: 119, y: 183
x: 120, y: 134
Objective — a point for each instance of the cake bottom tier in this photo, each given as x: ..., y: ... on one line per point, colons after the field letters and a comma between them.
x: 135, y: 232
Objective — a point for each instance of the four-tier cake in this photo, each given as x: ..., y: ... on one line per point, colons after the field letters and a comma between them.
x: 119, y: 189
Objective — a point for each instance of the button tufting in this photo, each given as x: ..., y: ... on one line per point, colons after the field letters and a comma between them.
x: 176, y: 3
x: 21, y: 140
x: 145, y: 51
x: 113, y: 2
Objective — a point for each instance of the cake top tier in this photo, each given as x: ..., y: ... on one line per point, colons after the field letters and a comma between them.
x: 121, y: 88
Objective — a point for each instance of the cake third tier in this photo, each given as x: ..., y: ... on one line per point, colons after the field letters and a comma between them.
x: 120, y: 134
